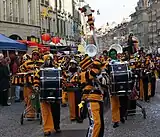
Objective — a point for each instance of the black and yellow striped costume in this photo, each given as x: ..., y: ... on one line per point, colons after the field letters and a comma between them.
x: 28, y: 66
x: 92, y: 96
x: 50, y: 110
x: 64, y: 93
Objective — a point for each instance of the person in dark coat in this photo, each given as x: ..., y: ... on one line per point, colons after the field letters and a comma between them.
x: 4, y: 81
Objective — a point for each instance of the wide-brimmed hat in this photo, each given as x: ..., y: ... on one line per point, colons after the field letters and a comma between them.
x: 36, y: 50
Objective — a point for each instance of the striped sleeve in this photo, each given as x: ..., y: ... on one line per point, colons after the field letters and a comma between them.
x: 23, y: 67
x: 75, y: 79
x: 65, y: 76
x: 94, y: 72
x: 36, y: 81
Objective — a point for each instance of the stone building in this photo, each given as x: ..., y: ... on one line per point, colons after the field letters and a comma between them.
x: 48, y: 17
x: 154, y: 23
x: 20, y: 19
x: 116, y: 35
x: 145, y: 23
x: 139, y: 26
x: 140, y: 22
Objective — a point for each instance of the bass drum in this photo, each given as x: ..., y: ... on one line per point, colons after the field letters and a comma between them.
x: 50, y: 84
x: 120, y: 79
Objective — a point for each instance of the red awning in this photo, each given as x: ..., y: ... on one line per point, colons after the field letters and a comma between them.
x: 35, y: 44
x: 29, y: 43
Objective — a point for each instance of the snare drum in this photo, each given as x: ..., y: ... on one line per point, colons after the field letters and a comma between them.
x: 120, y: 79
x: 50, y: 84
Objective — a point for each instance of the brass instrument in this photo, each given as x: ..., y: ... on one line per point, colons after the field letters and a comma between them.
x: 117, y: 47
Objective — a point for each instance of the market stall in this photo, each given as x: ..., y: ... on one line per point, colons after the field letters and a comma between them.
x: 9, y: 44
x: 31, y: 45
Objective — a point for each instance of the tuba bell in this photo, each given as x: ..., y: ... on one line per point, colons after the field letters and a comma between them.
x: 91, y: 50
x: 117, y: 47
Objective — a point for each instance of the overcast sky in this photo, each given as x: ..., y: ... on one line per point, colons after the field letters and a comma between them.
x: 112, y: 10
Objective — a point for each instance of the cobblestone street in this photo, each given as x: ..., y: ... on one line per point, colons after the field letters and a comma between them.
x: 135, y: 126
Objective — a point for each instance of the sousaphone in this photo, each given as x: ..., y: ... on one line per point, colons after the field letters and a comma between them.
x: 117, y: 47
x: 91, y: 50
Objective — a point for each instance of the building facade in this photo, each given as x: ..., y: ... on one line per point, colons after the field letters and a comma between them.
x: 29, y: 19
x: 116, y: 35
x: 139, y: 26
x: 47, y: 17
x: 154, y: 23
x: 20, y: 19
x: 145, y: 23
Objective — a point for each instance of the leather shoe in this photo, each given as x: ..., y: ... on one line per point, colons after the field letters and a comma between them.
x: 58, y: 130
x: 122, y: 120
x: 115, y: 125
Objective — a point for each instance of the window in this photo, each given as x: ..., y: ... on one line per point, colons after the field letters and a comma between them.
x: 4, y: 9
x: 47, y: 2
x: 42, y: 1
x: 60, y: 4
x: 10, y: 10
x: 47, y: 22
x: 43, y: 23
x: 29, y: 11
x: 17, y: 10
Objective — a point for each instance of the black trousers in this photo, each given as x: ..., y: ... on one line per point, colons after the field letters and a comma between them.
x: 77, y: 102
x: 123, y: 105
x: 153, y: 86
x: 4, y: 97
x: 55, y: 108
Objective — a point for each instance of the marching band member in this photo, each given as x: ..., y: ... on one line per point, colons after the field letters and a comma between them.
x: 64, y: 94
x: 64, y: 66
x: 140, y: 65
x: 50, y: 110
x: 25, y: 58
x: 152, y: 78
x: 74, y: 97
x: 92, y: 96
x: 118, y: 104
x: 30, y: 65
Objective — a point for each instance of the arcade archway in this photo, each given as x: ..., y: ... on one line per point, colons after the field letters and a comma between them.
x: 15, y: 37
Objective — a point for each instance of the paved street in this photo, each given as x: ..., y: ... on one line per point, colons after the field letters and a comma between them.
x: 135, y: 126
